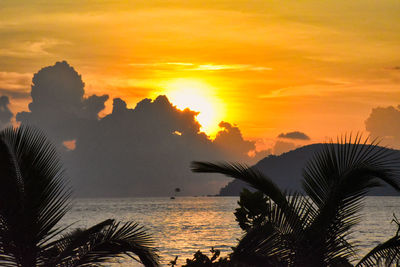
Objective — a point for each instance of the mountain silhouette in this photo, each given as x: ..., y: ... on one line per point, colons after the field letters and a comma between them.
x: 286, y: 171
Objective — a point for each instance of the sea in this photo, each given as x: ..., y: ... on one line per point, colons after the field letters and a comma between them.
x: 184, y: 225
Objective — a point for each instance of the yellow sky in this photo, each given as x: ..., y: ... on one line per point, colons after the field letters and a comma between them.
x: 317, y: 67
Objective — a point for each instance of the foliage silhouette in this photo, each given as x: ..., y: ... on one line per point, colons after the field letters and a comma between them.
x: 386, y: 253
x: 253, y: 208
x: 34, y: 197
x: 200, y: 259
x: 312, y: 230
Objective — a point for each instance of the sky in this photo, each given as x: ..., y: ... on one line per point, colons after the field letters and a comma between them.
x: 268, y: 67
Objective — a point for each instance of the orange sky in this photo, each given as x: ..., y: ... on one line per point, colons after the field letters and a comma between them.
x: 318, y: 67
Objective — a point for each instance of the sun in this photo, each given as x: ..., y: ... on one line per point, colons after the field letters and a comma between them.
x: 198, y: 96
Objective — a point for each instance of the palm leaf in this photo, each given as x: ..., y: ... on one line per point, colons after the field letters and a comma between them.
x: 105, y: 242
x: 314, y: 230
x: 276, y: 241
x: 249, y: 175
x: 34, y: 195
x: 337, y: 180
x: 62, y: 249
x: 385, y: 254
x: 262, y: 244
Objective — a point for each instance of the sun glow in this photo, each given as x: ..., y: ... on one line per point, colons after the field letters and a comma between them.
x: 197, y: 96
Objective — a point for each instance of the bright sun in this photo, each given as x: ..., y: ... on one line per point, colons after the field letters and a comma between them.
x: 197, y: 96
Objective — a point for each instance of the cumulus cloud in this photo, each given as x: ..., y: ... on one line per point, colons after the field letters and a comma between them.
x: 294, y: 135
x: 230, y: 139
x: 58, y: 103
x: 5, y: 112
x: 384, y: 123
x: 129, y: 152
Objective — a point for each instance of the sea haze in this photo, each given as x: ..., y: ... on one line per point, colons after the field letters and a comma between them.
x: 184, y: 225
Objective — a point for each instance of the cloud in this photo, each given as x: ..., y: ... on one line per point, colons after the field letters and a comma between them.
x: 92, y: 105
x: 141, y: 151
x: 14, y: 93
x: 188, y: 66
x: 236, y: 67
x: 31, y: 48
x: 58, y: 102
x: 5, y: 112
x: 230, y: 140
x: 294, y: 135
x: 15, y: 84
x: 384, y: 123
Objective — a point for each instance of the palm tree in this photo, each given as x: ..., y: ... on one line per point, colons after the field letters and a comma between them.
x: 386, y: 253
x: 313, y: 230
x: 34, y: 197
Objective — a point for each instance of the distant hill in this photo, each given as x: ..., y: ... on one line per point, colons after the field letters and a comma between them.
x: 286, y: 171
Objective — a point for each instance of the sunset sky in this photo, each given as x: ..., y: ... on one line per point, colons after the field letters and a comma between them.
x: 317, y: 67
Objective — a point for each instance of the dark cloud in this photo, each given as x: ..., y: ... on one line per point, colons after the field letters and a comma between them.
x: 384, y: 123
x: 129, y: 152
x: 230, y: 139
x: 92, y: 105
x: 5, y: 112
x: 294, y: 135
x: 58, y: 104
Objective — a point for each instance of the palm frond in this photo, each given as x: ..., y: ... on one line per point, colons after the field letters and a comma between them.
x: 35, y: 195
x: 60, y: 250
x: 257, y: 180
x: 314, y: 230
x: 242, y: 172
x: 107, y: 241
x: 337, y: 162
x: 278, y: 239
x: 262, y: 244
x: 385, y: 254
x: 337, y: 180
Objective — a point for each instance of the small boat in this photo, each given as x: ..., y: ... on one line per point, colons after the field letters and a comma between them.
x: 172, y: 197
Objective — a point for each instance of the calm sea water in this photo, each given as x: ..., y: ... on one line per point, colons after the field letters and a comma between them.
x: 187, y: 224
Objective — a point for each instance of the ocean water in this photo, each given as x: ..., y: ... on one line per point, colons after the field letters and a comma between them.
x: 186, y: 224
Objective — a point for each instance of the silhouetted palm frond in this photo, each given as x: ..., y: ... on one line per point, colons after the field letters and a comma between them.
x: 34, y: 197
x: 385, y: 254
x: 249, y: 175
x: 105, y: 242
x: 337, y: 180
x: 314, y: 230
x: 33, y: 194
x: 276, y: 241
